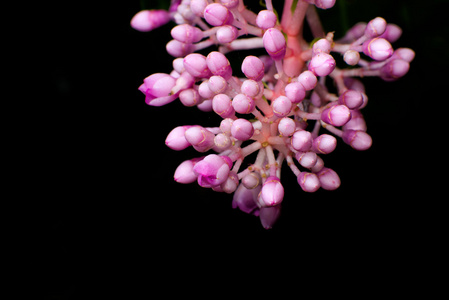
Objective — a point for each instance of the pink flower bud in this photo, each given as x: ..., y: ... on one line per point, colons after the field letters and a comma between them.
x: 319, y: 165
x: 219, y: 65
x: 375, y: 27
x: 308, y: 80
x: 226, y: 125
x: 322, y: 45
x: 266, y: 19
x: 222, y: 141
x: 226, y: 34
x: 147, y: 20
x: 269, y: 215
x: 274, y: 43
x: 198, y: 6
x: 222, y: 105
x: 350, y: 98
x: 286, y: 126
x: 243, y: 104
x: 184, y: 172
x: 359, y: 140
x: 245, y: 199
x: 337, y: 115
x: 351, y: 57
x: 177, y: 49
x: 205, y: 106
x: 196, y: 65
x: 377, y: 49
x: 306, y: 159
x: 157, y: 85
x: 231, y: 183
x: 302, y: 140
x: 281, y: 106
x: 189, y: 97
x: 200, y: 138
x: 213, y: 170
x: 205, y: 91
x: 357, y: 122
x: 394, y: 69
x: 329, y: 180
x: 253, y: 68
x: 186, y: 33
x: 242, y: 129
x: 252, y: 180
x: 309, y: 182
x: 322, y: 64
x: 406, y: 54
x: 250, y: 88
x: 176, y: 139
x: 324, y: 144
x: 218, y: 15
x: 272, y: 192
x: 217, y: 84
x: 295, y: 92
x: 392, y: 33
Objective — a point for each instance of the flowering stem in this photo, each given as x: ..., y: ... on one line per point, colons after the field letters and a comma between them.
x: 314, y: 22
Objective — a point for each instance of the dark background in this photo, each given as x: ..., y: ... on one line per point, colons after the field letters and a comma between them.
x: 109, y: 204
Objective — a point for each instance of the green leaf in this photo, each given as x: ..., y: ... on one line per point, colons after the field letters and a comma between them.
x: 294, y: 4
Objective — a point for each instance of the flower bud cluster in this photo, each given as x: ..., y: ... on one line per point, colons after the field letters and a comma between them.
x: 281, y: 106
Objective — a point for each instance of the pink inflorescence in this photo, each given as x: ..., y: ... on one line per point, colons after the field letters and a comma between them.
x: 279, y: 108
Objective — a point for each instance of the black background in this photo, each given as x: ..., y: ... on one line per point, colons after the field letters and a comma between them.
x: 109, y: 208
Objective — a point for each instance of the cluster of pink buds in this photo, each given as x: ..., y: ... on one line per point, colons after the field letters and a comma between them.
x: 279, y: 109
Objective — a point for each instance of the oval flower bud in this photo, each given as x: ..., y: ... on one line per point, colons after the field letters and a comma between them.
x: 286, y: 126
x: 184, y: 172
x: 226, y: 34
x: 375, y: 27
x: 295, y: 91
x: 337, y: 115
x: 253, y: 68
x: 322, y: 64
x: 219, y: 65
x: 242, y: 129
x: 266, y: 19
x: 269, y: 215
x: 394, y: 69
x: 274, y: 43
x: 350, y: 98
x: 272, y: 192
x: 250, y: 88
x: 147, y: 20
x: 281, y: 106
x: 329, y: 179
x: 186, y: 33
x: 324, y: 144
x: 217, y: 14
x: 196, y: 65
x: 243, y: 104
x: 302, y: 140
x: 309, y: 182
x: 200, y: 138
x: 176, y: 139
x: 222, y: 105
x: 308, y: 80
x: 378, y: 49
x: 359, y: 140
